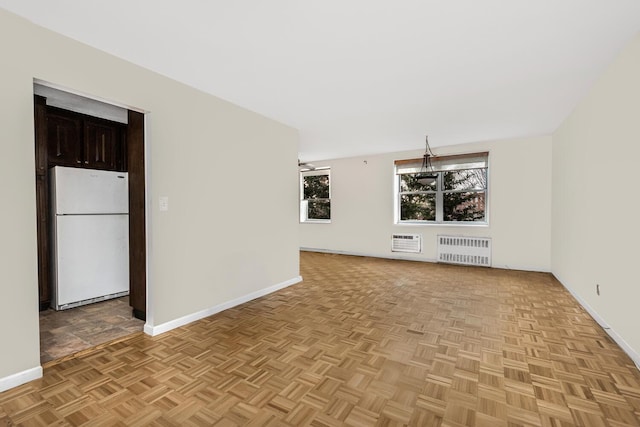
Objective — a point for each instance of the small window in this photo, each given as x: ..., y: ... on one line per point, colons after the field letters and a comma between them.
x: 453, y: 189
x: 315, y: 196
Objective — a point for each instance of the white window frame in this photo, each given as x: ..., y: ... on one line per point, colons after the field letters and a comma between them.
x: 441, y: 165
x: 304, y: 205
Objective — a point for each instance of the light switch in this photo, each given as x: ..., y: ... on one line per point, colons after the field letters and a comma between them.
x: 164, y: 203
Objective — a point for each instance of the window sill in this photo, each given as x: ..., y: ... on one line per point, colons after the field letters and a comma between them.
x: 443, y: 224
x: 316, y: 221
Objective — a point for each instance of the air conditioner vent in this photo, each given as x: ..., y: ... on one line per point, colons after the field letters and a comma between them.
x: 406, y: 243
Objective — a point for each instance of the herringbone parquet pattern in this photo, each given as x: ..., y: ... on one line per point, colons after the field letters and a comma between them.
x: 360, y: 342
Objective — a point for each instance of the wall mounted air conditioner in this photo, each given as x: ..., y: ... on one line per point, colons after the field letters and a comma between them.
x: 411, y: 243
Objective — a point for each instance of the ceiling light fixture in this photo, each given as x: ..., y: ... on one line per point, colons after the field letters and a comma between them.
x: 427, y: 175
x: 304, y: 166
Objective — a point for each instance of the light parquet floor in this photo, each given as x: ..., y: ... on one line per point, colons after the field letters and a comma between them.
x: 360, y: 342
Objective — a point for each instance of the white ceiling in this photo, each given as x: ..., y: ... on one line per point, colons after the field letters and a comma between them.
x: 367, y: 76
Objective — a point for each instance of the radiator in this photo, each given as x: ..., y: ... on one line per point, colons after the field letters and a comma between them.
x: 465, y: 250
x: 406, y: 243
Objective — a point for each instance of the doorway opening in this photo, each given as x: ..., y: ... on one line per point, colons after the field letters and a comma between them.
x: 89, y: 137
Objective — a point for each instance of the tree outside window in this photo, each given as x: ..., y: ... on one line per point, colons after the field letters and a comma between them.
x: 454, y: 189
x: 315, y: 204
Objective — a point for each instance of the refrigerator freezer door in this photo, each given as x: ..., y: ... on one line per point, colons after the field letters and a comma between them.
x: 92, y: 257
x: 89, y: 191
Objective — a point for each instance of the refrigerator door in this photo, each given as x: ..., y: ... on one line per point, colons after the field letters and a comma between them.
x: 89, y: 191
x: 92, y: 257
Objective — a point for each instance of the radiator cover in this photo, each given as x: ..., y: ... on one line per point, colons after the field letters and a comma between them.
x: 465, y: 250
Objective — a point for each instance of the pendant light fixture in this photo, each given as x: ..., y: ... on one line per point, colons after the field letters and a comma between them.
x: 427, y: 175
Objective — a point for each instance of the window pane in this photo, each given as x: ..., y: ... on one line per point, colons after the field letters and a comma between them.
x: 418, y: 207
x: 465, y: 179
x: 418, y: 182
x: 316, y: 187
x: 318, y: 209
x: 469, y: 206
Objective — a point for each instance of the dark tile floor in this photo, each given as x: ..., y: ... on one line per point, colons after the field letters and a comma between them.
x: 66, y: 332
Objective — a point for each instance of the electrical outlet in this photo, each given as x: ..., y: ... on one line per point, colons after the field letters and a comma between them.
x: 597, y: 289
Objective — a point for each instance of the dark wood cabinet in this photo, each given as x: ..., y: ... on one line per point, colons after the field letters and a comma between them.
x: 81, y: 141
x: 64, y: 140
x: 42, y: 202
x: 42, y: 228
x: 102, y: 146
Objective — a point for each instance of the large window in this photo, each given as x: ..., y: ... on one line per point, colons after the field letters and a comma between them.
x: 315, y: 196
x: 452, y: 190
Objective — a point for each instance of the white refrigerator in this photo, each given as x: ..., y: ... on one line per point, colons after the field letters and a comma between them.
x: 90, y: 242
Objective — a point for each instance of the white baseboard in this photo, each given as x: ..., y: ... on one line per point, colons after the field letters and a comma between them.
x: 20, y: 378
x: 401, y: 257
x: 635, y: 357
x: 393, y: 256
x: 165, y: 327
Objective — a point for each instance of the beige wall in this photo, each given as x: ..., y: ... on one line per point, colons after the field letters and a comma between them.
x: 519, y: 206
x: 211, y: 247
x: 595, y: 204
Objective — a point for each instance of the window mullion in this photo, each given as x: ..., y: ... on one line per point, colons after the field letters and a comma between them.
x: 439, y: 200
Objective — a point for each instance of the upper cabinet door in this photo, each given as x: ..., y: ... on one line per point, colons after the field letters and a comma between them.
x: 81, y: 141
x: 64, y: 136
x: 101, y: 146
x: 40, y: 128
